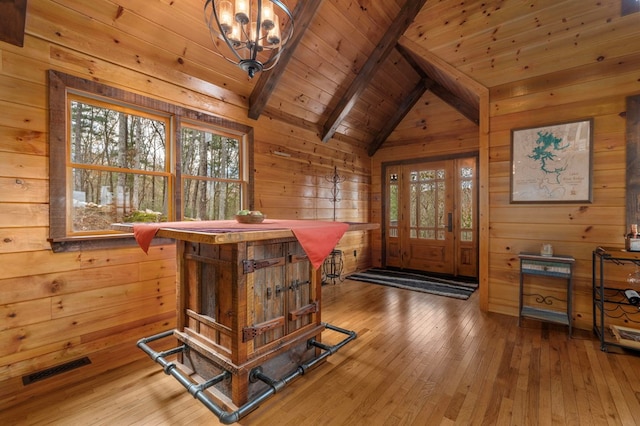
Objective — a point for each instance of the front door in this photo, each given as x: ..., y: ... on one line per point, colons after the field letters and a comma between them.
x: 431, y: 216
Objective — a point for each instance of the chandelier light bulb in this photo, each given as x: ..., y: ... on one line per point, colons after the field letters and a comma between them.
x: 273, y: 37
x: 226, y: 15
x: 242, y: 11
x: 267, y: 16
x: 236, y: 34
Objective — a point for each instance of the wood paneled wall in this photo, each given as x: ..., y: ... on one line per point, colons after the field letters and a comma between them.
x: 599, y: 91
x: 60, y: 307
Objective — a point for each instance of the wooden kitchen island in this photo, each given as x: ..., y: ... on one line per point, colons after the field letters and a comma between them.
x: 248, y: 307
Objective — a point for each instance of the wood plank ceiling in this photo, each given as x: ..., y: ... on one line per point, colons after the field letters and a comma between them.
x: 357, y: 66
x: 374, y: 92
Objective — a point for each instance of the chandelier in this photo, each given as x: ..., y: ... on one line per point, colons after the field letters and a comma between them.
x: 255, y: 31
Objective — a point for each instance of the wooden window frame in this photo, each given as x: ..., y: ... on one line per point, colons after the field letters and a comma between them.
x: 60, y: 84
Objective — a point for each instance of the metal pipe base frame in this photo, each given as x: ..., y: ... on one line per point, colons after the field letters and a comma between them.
x: 197, y: 390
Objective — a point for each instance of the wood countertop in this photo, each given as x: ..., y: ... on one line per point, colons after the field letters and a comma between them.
x: 214, y: 235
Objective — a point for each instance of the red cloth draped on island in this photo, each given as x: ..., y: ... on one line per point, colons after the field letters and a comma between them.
x: 317, y: 238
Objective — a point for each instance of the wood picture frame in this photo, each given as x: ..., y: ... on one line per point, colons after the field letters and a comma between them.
x: 552, y: 163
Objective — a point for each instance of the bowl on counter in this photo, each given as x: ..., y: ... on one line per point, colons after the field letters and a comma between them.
x: 250, y: 218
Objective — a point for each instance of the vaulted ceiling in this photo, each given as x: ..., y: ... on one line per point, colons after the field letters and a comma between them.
x: 357, y: 67
x: 364, y: 80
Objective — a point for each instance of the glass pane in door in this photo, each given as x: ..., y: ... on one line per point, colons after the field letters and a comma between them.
x: 393, y: 205
x: 466, y: 203
x: 427, y: 213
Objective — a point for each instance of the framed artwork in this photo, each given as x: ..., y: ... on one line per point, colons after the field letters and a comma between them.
x: 552, y: 164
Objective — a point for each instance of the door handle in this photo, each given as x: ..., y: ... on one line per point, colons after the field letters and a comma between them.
x: 450, y: 222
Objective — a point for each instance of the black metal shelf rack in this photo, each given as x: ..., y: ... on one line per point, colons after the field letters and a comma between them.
x: 610, y: 306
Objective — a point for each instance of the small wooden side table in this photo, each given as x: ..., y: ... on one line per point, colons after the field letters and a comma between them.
x: 556, y: 266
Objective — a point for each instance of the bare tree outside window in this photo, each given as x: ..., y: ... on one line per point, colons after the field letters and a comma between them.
x: 211, y: 174
x: 118, y: 164
x: 116, y: 156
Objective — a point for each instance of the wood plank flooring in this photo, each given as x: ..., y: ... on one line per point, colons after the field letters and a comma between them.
x: 418, y: 360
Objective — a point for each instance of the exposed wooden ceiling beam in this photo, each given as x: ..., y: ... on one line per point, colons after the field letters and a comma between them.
x: 398, y: 27
x: 406, y: 54
x: 13, y: 14
x: 268, y: 81
x: 470, y: 112
x: 422, y: 55
x: 278, y: 114
x: 400, y: 113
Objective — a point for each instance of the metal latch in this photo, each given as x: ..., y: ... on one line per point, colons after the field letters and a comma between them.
x: 296, y: 284
x: 250, y: 265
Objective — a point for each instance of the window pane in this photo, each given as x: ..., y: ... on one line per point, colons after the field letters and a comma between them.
x: 466, y: 172
x: 211, y: 200
x: 466, y: 208
x: 114, y: 159
x: 106, y: 137
x: 101, y: 198
x: 207, y: 154
x: 441, y: 197
x: 393, y: 204
x: 466, y: 203
x: 425, y: 205
x: 413, y: 203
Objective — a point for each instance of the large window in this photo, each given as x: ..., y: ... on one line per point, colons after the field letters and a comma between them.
x: 120, y: 157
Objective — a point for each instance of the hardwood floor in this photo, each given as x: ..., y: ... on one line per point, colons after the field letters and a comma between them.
x: 418, y: 359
